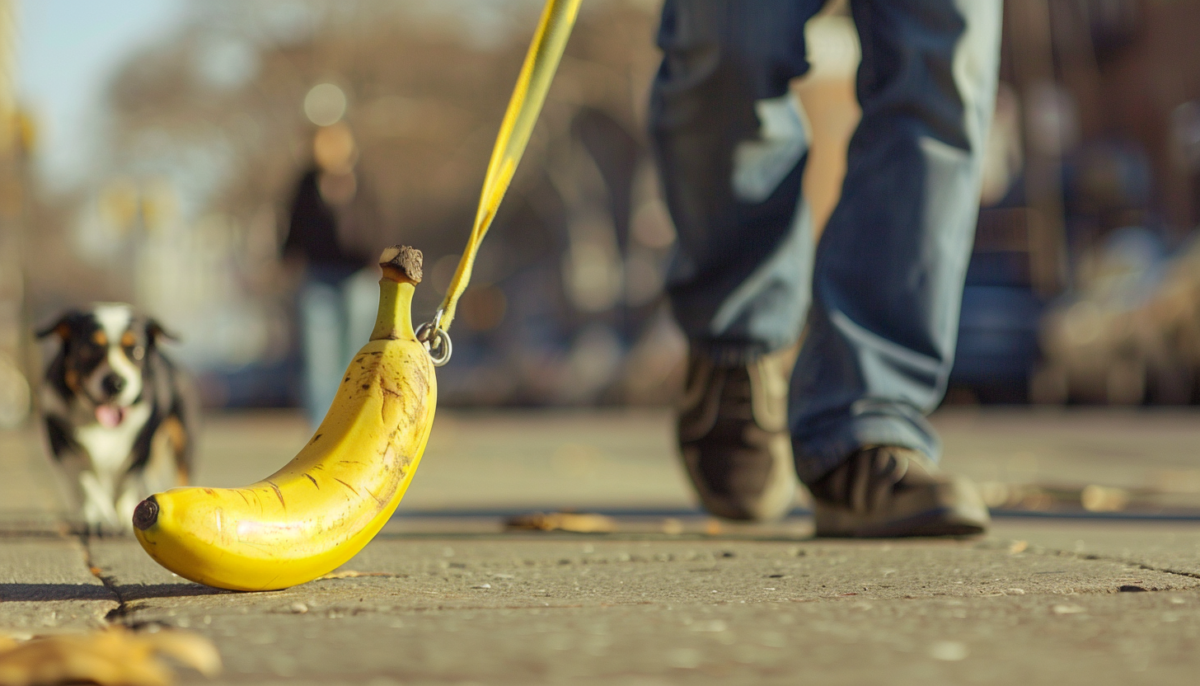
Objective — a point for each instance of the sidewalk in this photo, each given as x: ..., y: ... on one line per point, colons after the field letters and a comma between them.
x: 456, y: 600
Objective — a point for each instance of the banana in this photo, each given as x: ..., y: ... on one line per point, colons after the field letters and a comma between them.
x: 320, y: 509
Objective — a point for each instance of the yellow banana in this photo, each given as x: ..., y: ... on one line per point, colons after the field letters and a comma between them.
x: 330, y: 501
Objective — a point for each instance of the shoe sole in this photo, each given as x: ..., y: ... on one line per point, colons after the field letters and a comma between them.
x: 946, y: 521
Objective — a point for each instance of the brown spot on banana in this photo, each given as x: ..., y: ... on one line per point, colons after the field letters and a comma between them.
x: 394, y: 478
x: 352, y: 489
x: 378, y: 501
x: 314, y: 481
x: 391, y: 395
x: 278, y: 493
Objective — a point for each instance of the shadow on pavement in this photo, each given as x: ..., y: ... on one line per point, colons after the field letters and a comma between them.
x: 56, y: 592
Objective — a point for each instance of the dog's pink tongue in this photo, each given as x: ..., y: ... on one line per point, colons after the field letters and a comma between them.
x: 109, y: 416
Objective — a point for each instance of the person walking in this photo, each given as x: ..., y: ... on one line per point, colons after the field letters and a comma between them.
x: 880, y: 293
x: 334, y: 231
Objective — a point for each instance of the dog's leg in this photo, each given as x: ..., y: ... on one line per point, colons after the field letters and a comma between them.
x: 98, y: 510
x: 127, y: 502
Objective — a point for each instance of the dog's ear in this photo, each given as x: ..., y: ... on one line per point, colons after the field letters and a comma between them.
x: 156, y: 332
x: 61, y: 328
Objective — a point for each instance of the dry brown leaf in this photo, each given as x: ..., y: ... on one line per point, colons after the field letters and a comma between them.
x: 581, y: 523
x: 189, y: 649
x: 112, y: 657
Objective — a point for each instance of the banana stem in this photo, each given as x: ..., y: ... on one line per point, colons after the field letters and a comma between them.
x: 394, y: 321
x: 402, y: 271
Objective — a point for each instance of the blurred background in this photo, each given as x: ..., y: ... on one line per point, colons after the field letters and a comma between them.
x: 156, y: 152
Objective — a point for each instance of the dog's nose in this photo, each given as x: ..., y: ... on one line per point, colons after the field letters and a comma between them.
x: 113, y: 384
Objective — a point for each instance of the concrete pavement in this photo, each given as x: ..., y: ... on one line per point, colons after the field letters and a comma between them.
x: 456, y: 599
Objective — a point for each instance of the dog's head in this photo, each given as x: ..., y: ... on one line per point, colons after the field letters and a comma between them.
x: 104, y: 352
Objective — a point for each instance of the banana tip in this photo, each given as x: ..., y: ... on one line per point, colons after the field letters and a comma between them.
x: 402, y: 263
x: 145, y: 514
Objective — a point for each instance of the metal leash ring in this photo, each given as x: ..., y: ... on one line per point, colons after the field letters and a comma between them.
x: 437, y: 342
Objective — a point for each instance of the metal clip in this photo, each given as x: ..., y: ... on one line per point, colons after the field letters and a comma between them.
x: 437, y: 342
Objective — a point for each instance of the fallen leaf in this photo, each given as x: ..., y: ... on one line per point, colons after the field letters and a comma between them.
x: 190, y: 649
x: 111, y: 657
x: 582, y: 523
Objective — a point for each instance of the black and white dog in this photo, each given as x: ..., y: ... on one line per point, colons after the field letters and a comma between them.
x: 119, y: 416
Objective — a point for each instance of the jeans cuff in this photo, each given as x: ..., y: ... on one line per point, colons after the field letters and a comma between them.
x: 828, y: 448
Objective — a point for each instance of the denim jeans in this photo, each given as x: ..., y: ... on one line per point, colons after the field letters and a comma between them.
x: 337, y: 314
x: 880, y: 294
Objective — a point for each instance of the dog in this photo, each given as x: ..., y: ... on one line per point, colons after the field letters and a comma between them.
x: 119, y: 417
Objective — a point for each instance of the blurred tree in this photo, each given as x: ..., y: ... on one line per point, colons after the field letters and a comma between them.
x: 219, y: 111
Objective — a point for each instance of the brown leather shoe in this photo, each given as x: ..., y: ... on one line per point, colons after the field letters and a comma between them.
x: 885, y: 491
x: 733, y: 438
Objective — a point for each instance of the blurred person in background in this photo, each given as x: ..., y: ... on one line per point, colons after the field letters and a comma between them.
x: 333, y: 235
x: 880, y: 293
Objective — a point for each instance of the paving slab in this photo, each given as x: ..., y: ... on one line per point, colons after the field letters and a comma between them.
x: 45, y: 585
x: 458, y: 600
x: 1169, y: 546
x: 1101, y: 640
x: 520, y: 608
x: 30, y: 499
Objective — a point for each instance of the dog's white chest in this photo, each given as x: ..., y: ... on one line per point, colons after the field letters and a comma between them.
x: 109, y: 448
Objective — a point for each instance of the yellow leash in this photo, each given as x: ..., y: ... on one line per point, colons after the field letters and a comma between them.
x: 541, y: 61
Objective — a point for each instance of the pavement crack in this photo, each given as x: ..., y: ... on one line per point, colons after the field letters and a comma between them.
x: 123, y: 608
x: 1132, y: 563
x: 1164, y: 570
x: 1038, y: 550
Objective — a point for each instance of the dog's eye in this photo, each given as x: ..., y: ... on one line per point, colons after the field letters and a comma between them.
x: 137, y: 353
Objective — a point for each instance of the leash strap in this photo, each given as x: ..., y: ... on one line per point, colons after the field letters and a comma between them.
x: 529, y: 94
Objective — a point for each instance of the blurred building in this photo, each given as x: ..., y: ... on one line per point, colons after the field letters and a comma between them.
x: 1090, y: 196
